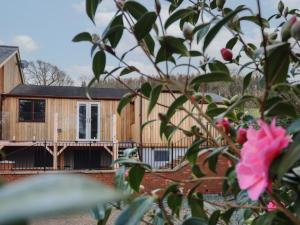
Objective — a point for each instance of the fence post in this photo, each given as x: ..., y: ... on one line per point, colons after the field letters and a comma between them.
x: 207, y: 134
x: 55, y: 138
x: 172, y: 155
x: 44, y: 155
x: 114, y: 140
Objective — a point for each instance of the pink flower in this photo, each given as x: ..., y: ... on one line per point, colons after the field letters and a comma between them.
x: 258, y: 152
x: 223, y: 124
x: 271, y: 206
x: 241, y: 137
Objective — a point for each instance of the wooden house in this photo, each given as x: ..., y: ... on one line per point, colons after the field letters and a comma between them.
x: 59, y: 127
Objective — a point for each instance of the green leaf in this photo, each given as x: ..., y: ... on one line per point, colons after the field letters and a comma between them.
x: 149, y: 43
x: 231, y: 43
x: 135, y: 212
x: 179, y: 14
x: 176, y: 104
x: 101, y: 214
x: 214, y: 218
x: 154, y: 95
x: 217, y: 66
x: 174, y: 201
x: 125, y: 100
x: 227, y: 215
x: 114, y: 31
x: 45, y: 195
x: 144, y: 25
x: 217, y: 27
x: 290, y: 157
x: 174, y: 45
x: 84, y: 36
x: 136, y: 9
x: 136, y: 174
x: 215, y: 76
x: 240, y: 101
x: 146, y: 89
x: 146, y: 123
x: 265, y: 219
x: 131, y: 162
x: 128, y: 70
x: 283, y: 109
x: 196, y: 205
x: 91, y: 8
x: 164, y: 55
x: 255, y: 19
x: 195, y: 221
x: 294, y: 127
x: 99, y: 62
x: 201, y: 31
x: 246, y: 81
x: 192, y: 152
x: 277, y: 65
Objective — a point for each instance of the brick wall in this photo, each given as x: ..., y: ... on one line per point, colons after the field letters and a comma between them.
x: 152, y: 181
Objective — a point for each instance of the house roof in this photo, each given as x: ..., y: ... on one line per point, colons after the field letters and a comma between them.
x: 6, y: 52
x: 72, y: 92
x: 23, y: 90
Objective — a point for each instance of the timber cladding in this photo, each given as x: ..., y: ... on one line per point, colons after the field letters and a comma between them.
x: 67, y: 120
x: 12, y: 75
x: 150, y: 133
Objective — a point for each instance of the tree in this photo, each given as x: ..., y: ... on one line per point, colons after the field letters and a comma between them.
x: 266, y: 190
x: 44, y: 73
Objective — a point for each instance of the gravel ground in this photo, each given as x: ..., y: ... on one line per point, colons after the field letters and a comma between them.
x: 87, y: 219
x: 77, y: 219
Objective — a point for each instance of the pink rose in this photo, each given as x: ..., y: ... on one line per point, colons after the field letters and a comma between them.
x: 271, y: 206
x: 258, y: 152
x: 241, y: 137
x: 223, y: 124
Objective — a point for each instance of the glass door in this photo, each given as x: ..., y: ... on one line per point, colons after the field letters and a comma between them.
x: 88, y: 121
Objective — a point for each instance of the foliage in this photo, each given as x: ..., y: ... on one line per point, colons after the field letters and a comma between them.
x: 264, y: 81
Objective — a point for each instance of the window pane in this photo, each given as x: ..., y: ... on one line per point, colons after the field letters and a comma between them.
x: 94, y: 121
x: 25, y: 110
x: 39, y: 110
x: 161, y: 155
x: 82, y: 121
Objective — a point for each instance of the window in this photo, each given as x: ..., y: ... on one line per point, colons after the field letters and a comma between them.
x: 161, y: 155
x: 31, y: 110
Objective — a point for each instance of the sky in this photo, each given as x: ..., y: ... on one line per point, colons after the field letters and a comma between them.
x: 44, y: 29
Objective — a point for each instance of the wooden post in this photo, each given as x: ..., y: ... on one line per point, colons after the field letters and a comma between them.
x: 114, y: 139
x: 55, y: 138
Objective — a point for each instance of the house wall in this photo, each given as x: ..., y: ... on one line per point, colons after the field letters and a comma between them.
x: 12, y: 75
x: 67, y: 119
x: 150, y: 133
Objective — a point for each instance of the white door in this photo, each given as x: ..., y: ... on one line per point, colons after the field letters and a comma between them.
x: 88, y: 121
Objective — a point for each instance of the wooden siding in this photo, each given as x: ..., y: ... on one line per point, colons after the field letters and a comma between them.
x: 2, y: 79
x: 67, y: 110
x: 151, y: 131
x: 12, y: 75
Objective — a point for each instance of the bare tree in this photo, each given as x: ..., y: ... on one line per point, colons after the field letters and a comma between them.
x: 44, y: 73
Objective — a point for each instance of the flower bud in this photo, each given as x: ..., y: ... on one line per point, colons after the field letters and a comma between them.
x: 188, y: 31
x: 295, y: 31
x: 220, y: 3
x: 157, y: 6
x: 223, y: 124
x: 286, y: 28
x: 96, y: 38
x: 241, y: 137
x: 120, y: 4
x: 226, y: 54
x: 280, y: 7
